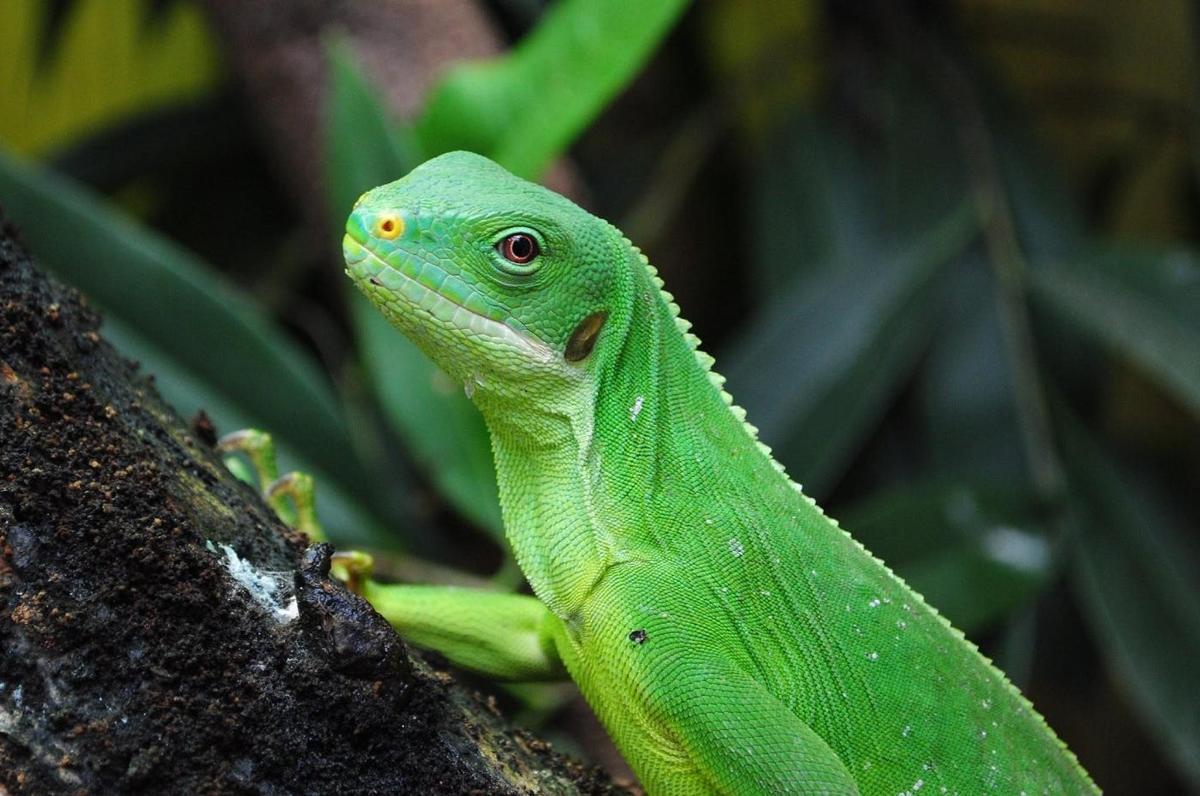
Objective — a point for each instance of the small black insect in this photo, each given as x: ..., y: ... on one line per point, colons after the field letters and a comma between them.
x: 638, y: 636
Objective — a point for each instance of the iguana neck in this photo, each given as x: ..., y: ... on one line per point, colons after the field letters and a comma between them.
x: 586, y: 484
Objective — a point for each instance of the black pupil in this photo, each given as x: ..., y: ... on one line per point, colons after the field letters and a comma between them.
x: 521, y: 248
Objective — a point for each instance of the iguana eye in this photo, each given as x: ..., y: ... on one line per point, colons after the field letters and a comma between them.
x: 519, y: 248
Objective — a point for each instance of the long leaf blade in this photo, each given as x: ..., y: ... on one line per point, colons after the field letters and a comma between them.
x: 441, y: 429
x: 836, y: 347
x: 525, y: 108
x: 1136, y: 575
x: 1144, y: 305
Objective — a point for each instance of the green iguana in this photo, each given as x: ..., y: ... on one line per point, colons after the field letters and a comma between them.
x: 731, y: 637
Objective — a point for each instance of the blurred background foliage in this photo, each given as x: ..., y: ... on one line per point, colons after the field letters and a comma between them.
x: 944, y: 250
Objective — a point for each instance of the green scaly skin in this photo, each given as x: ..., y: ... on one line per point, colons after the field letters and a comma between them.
x: 731, y: 637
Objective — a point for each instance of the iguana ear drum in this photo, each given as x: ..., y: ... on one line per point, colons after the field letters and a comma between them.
x: 583, y: 339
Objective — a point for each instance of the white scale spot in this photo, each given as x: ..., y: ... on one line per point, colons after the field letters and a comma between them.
x: 736, y: 548
x: 636, y: 409
x: 875, y: 603
x: 872, y: 656
x: 907, y: 730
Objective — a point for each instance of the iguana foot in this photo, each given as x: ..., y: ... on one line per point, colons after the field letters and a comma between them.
x: 301, y: 490
x: 292, y: 496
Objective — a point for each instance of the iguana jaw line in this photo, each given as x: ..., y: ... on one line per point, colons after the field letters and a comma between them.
x: 398, y: 292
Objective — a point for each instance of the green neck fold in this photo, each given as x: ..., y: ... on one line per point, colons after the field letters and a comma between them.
x: 612, y: 447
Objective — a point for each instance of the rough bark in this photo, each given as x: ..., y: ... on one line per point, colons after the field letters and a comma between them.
x: 132, y: 659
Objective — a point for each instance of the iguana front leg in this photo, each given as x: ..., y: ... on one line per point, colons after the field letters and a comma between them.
x: 502, y: 636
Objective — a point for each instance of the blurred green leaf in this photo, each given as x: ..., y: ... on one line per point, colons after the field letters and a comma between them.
x: 111, y: 61
x: 525, y: 108
x: 1044, y: 210
x: 821, y: 362
x: 815, y: 204
x: 973, y: 552
x: 965, y: 389
x: 213, y: 348
x: 920, y: 169
x: 1137, y: 575
x: 441, y: 429
x: 365, y: 146
x: 846, y: 214
x: 1142, y: 304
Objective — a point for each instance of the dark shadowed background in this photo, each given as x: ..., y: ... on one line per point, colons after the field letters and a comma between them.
x: 942, y: 250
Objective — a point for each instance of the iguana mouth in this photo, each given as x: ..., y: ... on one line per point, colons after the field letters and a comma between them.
x: 403, y: 283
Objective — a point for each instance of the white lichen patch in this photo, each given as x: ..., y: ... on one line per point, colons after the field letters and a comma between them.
x: 265, y: 588
x: 736, y: 548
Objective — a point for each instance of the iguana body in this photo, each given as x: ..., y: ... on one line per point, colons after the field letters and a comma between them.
x: 729, y: 635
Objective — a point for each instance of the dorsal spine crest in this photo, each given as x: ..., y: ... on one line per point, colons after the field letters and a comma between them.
x: 706, y: 362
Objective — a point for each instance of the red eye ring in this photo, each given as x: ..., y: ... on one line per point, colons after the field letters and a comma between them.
x: 520, y: 248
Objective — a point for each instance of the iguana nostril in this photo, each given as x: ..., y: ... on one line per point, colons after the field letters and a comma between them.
x: 389, y: 226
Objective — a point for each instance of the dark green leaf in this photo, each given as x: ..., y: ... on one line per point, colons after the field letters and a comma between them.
x: 820, y: 364
x: 366, y: 148
x: 1144, y: 305
x: 965, y: 391
x: 816, y: 204
x: 1137, y: 576
x: 967, y: 388
x: 442, y: 430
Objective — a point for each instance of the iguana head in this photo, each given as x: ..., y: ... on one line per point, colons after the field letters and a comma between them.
x: 502, y: 282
